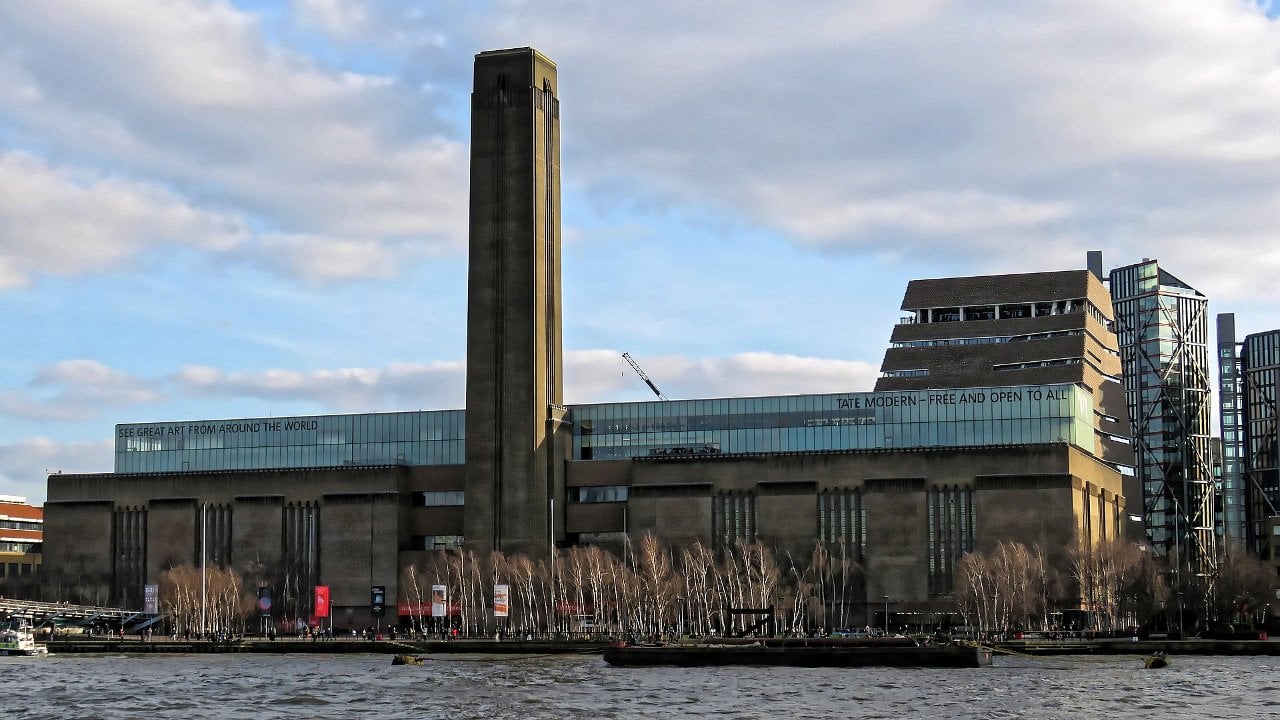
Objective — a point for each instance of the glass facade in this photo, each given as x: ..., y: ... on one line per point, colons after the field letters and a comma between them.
x: 849, y: 421
x: 1010, y: 415
x: 1162, y: 328
x: 1231, y: 485
x: 407, y: 438
x: 1261, y: 364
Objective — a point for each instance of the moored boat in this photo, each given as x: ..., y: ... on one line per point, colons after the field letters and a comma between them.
x: 18, y: 639
x: 800, y: 654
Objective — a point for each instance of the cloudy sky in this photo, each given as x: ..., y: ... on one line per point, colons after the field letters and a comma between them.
x: 215, y: 209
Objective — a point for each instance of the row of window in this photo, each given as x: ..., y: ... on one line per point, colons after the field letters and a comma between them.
x: 1032, y: 431
x: 435, y: 542
x: 439, y: 498
x: 949, y: 518
x: 990, y: 340
x: 733, y: 519
x: 1054, y: 362
x: 1262, y: 350
x: 599, y: 494
x: 20, y: 525
x: 842, y: 522
x: 602, y: 538
x: 417, y: 438
x: 17, y: 569
x: 914, y: 372
x: 434, y: 452
x: 1003, y: 312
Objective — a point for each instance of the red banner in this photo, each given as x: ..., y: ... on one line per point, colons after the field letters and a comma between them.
x: 322, y: 601
x: 565, y: 607
x: 405, y: 608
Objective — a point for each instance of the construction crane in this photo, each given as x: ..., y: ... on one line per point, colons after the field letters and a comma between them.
x: 636, y: 366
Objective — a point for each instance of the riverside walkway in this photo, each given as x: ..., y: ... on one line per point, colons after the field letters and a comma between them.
x: 1129, y: 646
x: 133, y: 644
x: 74, y: 644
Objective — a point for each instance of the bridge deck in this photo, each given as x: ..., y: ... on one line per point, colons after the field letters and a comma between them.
x: 43, y: 613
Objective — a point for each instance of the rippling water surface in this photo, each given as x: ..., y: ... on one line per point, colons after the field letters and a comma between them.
x: 583, y: 687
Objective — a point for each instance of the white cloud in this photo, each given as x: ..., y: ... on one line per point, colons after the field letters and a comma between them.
x: 77, y: 390
x: 330, y: 259
x: 590, y: 376
x: 595, y: 376
x: 931, y: 214
x: 191, y: 101
x: 951, y: 129
x: 955, y: 126
x: 58, y: 221
x: 26, y: 464
x: 396, y: 387
x: 341, y: 19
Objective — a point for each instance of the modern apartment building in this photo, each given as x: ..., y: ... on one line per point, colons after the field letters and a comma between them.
x: 1231, y: 480
x: 1162, y: 327
x: 1260, y: 366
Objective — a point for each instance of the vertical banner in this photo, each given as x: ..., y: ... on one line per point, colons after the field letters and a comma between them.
x: 501, y: 600
x: 322, y: 601
x: 264, y: 599
x: 151, y: 599
x: 378, y: 600
x: 439, y: 601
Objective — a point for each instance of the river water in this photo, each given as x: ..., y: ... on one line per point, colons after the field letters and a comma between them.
x: 582, y: 687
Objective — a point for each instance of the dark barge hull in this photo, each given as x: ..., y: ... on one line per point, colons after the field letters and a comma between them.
x: 705, y: 655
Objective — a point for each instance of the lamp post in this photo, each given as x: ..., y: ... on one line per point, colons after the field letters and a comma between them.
x: 886, y: 616
x: 204, y: 514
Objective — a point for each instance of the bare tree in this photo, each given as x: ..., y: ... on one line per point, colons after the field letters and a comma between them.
x: 1244, y: 588
x: 1103, y: 572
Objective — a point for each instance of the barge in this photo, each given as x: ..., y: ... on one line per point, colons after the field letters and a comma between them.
x: 889, y: 652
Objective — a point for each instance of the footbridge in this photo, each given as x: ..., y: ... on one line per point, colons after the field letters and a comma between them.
x: 45, y: 614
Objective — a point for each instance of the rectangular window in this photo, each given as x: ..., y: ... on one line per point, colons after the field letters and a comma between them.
x: 733, y: 519
x: 435, y: 542
x: 439, y: 498
x: 949, y: 534
x: 602, y: 538
x: 599, y: 494
x: 841, y: 519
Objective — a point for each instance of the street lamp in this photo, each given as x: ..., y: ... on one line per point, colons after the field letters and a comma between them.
x: 204, y: 591
x: 886, y: 616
